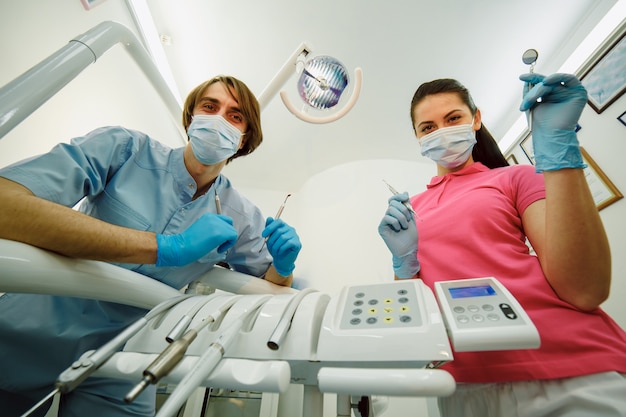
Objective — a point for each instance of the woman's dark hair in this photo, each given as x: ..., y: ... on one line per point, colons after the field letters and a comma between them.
x: 486, y: 149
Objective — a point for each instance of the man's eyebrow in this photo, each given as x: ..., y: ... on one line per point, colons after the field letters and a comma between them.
x: 209, y: 99
x: 216, y: 101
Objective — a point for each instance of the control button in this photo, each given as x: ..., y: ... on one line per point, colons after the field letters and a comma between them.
x: 405, y: 319
x: 388, y: 301
x: 405, y: 309
x: 487, y: 307
x: 372, y: 320
x: 388, y: 319
x: 508, y: 311
x: 463, y: 319
x: 358, y: 303
x: 355, y: 321
x: 402, y: 292
x: 473, y: 309
x: 403, y: 300
x: 388, y: 310
x: 493, y: 317
x: 372, y: 302
x: 359, y: 295
x: 372, y: 310
x: 459, y: 310
x: 478, y: 318
x: 356, y: 311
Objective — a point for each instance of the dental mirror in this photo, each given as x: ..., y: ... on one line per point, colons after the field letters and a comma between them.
x: 529, y: 57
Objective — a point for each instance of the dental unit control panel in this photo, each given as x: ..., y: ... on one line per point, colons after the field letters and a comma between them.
x: 481, y: 314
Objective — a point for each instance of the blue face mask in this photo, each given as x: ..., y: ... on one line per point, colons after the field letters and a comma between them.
x: 449, y: 146
x: 212, y: 138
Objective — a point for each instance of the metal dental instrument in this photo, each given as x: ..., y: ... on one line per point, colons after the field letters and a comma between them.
x: 406, y: 203
x: 218, y: 205
x: 529, y: 57
x: 167, y: 360
x: 91, y: 360
x: 280, y: 211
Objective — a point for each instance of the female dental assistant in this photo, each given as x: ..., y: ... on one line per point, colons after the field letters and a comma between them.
x: 479, y: 212
x: 145, y: 207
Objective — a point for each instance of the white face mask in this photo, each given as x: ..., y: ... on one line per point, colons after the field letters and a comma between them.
x: 449, y: 146
x: 212, y: 138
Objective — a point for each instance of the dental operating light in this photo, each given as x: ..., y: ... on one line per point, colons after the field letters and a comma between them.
x: 322, y: 82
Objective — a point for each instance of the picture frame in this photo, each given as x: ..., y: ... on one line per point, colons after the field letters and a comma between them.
x: 603, y: 190
x: 622, y: 118
x: 512, y: 160
x: 605, y: 78
x: 527, y: 146
x: 90, y: 4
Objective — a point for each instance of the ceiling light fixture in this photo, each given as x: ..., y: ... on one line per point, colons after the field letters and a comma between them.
x: 322, y: 82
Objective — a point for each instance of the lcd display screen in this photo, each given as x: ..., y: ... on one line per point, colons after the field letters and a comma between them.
x: 477, y: 291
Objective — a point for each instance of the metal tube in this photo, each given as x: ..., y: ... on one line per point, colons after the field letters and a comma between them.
x: 26, y: 93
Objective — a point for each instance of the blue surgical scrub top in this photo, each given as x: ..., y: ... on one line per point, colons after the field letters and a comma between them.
x: 125, y: 178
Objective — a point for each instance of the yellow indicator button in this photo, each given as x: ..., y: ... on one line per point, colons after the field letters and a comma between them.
x: 388, y: 319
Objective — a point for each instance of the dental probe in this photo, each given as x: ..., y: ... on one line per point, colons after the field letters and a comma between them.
x: 280, y: 211
x: 406, y: 203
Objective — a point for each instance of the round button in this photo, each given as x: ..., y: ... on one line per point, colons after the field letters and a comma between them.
x: 355, y: 321
x: 356, y: 311
x: 493, y: 317
x: 358, y: 303
x: 488, y: 307
x: 372, y: 302
x: 463, y: 319
x: 372, y: 320
x: 459, y: 310
x: 473, y: 309
x: 478, y: 318
x: 403, y: 300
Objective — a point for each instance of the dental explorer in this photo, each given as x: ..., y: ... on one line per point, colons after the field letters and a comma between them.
x: 406, y: 203
x: 280, y: 211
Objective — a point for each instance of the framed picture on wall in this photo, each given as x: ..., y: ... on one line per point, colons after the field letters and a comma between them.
x: 527, y: 146
x: 622, y: 118
x: 603, y: 190
x: 605, y: 77
x: 512, y: 160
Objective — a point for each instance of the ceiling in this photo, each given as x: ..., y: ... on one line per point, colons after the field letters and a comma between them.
x: 398, y: 44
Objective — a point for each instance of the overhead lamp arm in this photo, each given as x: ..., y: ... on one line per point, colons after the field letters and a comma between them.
x: 286, y: 71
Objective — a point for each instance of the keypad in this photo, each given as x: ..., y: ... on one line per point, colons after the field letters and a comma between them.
x: 381, y: 306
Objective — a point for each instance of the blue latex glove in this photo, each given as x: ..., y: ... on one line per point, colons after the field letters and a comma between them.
x: 209, y: 232
x: 399, y: 231
x: 554, y: 119
x: 283, y: 244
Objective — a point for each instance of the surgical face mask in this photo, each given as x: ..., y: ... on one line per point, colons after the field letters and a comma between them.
x: 449, y: 146
x: 212, y: 138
